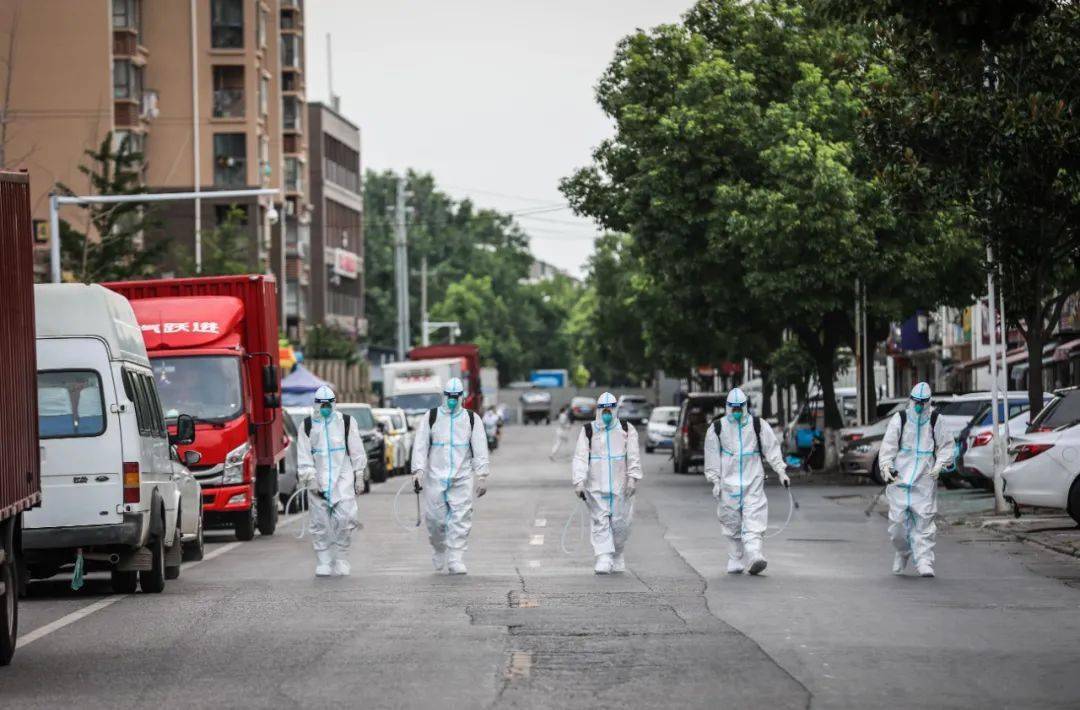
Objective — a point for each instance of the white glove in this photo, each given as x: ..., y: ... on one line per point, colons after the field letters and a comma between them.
x: 935, y: 472
x: 579, y: 491
x: 631, y: 487
x: 481, y: 489
x: 785, y: 480
x: 888, y: 473
x: 304, y: 479
x: 358, y: 486
x: 416, y: 484
x: 716, y: 490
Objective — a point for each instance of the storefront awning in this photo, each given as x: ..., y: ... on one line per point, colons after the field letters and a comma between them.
x: 1066, y: 350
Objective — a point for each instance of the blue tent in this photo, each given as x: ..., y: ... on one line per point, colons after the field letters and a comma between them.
x: 298, y: 387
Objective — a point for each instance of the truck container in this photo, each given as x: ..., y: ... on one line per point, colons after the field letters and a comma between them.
x: 20, y: 467
x: 470, y: 375
x: 213, y: 344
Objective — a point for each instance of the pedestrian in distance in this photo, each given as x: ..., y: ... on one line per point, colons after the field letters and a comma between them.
x: 562, y: 431
x: 914, y: 452
x: 332, y: 466
x: 450, y: 450
x: 606, y: 471
x: 736, y: 445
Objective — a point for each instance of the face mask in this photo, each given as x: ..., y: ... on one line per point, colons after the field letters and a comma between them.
x: 325, y: 410
x: 451, y: 403
x: 919, y: 408
x: 607, y: 417
x: 737, y: 415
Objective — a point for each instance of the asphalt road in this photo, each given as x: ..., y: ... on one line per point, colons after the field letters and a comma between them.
x: 530, y: 626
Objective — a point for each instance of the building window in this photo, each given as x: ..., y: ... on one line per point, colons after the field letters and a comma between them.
x: 129, y: 141
x: 228, y: 91
x: 127, y: 15
x: 291, y: 114
x: 264, y: 96
x: 342, y: 227
x: 342, y: 164
x: 290, y: 51
x: 260, y: 26
x: 227, y: 24
x: 221, y: 214
x: 127, y: 80
x: 230, y: 159
x: 294, y: 178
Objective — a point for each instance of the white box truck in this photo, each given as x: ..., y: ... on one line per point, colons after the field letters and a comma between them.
x: 416, y: 385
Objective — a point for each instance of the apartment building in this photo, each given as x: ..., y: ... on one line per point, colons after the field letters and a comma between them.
x: 209, y: 91
x: 336, y: 290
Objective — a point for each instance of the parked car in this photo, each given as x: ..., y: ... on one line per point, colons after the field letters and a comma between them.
x: 288, y: 476
x: 535, y: 406
x: 395, y: 432
x: 633, y: 408
x: 807, y: 426
x: 582, y: 409
x: 371, y: 435
x: 660, y: 428
x: 975, y: 463
x: 191, y: 510
x: 1062, y: 411
x: 860, y: 456
x: 698, y: 411
x: 885, y: 409
x: 1045, y: 470
x: 108, y: 486
x: 956, y: 412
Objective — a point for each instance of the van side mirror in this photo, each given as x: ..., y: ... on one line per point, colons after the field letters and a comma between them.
x: 270, y: 379
x: 185, y: 431
x: 271, y: 400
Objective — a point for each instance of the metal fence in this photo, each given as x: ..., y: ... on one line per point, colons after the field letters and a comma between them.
x: 351, y: 382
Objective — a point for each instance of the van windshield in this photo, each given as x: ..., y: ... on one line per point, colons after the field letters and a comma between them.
x: 206, y: 387
x: 70, y: 404
x: 417, y: 401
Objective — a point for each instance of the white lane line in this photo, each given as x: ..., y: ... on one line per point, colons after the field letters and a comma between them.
x: 540, y: 523
x: 67, y: 620
x: 534, y: 564
x: 71, y: 618
x: 536, y: 540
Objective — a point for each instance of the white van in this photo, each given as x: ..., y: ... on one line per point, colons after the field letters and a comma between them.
x: 107, y: 479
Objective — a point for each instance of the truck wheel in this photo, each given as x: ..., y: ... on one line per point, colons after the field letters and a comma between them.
x: 245, y: 525
x: 9, y: 605
x: 378, y: 474
x: 152, y: 581
x: 267, y: 514
x: 124, y: 582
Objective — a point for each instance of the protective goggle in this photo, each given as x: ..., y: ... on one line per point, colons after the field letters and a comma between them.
x: 605, y: 406
x: 321, y: 402
x: 736, y: 406
x: 452, y: 395
x: 920, y: 401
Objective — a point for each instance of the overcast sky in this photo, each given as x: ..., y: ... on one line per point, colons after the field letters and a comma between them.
x: 493, y: 97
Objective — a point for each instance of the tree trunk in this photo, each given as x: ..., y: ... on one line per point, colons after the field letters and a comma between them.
x: 1035, y: 340
x: 766, y: 392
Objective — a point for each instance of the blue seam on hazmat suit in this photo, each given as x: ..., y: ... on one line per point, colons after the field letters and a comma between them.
x: 329, y: 463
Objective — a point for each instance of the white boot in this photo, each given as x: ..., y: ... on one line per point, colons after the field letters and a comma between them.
x: 735, y: 557
x: 438, y: 560
x: 324, y: 561
x: 899, y: 563
x: 456, y: 567
x: 341, y: 568
x: 603, y: 564
x: 618, y: 563
x: 756, y: 557
x: 925, y: 569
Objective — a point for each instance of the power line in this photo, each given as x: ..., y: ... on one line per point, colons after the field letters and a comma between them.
x: 553, y: 221
x: 500, y: 194
x: 538, y: 210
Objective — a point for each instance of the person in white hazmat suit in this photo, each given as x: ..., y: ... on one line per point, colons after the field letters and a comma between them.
x: 915, y: 450
x: 562, y: 432
x: 733, y: 464
x: 450, y: 449
x: 606, y: 471
x: 332, y: 465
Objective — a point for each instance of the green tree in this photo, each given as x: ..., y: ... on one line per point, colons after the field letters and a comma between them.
x: 112, y: 248
x: 225, y: 248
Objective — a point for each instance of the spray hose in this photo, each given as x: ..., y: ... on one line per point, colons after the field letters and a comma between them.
x: 406, y: 526
x: 288, y: 507
x: 578, y: 511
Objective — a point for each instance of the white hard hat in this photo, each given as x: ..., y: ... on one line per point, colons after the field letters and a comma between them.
x: 921, y: 392
x: 736, y: 398
x: 606, y: 400
x: 324, y: 394
x: 454, y: 387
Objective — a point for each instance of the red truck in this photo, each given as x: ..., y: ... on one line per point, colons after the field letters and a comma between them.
x: 20, y: 466
x: 213, y: 344
x: 470, y: 355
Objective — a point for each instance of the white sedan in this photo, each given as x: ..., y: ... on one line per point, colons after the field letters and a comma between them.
x: 978, y: 457
x: 661, y: 428
x: 1045, y: 470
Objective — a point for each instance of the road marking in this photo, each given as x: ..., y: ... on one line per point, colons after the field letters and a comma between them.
x: 534, y: 564
x: 520, y: 665
x: 69, y: 619
x: 537, y: 540
x: 540, y: 523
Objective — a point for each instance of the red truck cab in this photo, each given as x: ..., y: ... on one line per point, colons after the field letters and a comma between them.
x: 213, y: 346
x: 470, y: 356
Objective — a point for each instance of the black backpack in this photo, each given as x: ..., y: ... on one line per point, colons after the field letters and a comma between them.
x: 757, y: 432
x: 348, y: 425
x: 903, y: 421
x: 588, y: 430
x: 434, y: 414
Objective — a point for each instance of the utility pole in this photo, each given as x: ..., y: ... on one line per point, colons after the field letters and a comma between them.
x: 999, y: 495
x: 401, y: 270
x: 424, y: 340
x: 195, y: 146
x: 860, y: 394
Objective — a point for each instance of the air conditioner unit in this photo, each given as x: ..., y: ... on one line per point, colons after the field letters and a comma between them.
x: 290, y: 207
x: 149, y: 109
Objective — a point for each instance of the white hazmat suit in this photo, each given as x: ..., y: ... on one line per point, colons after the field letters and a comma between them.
x: 917, y: 456
x: 333, y: 473
x: 733, y: 464
x: 446, y: 456
x: 607, y: 472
